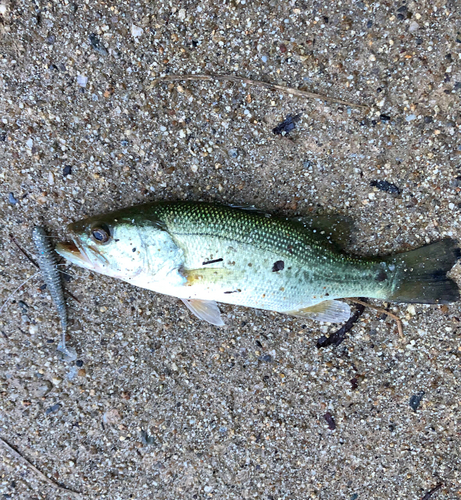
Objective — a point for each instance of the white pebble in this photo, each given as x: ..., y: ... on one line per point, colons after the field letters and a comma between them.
x: 29, y: 143
x: 413, y: 26
x: 82, y: 80
x: 136, y: 31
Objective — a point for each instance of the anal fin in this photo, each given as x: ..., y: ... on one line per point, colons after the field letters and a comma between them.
x: 331, y: 311
x: 205, y: 309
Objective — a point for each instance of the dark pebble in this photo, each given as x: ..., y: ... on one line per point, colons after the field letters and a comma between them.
x: 97, y: 45
x: 415, y: 400
x: 146, y: 439
x: 66, y: 277
x: 330, y: 421
x: 12, y: 199
x: 403, y: 9
x: 267, y: 358
x: 79, y: 363
x: 369, y: 24
x: 23, y: 306
x: 124, y: 143
x: 419, y: 41
x: 388, y: 187
x: 51, y: 39
x: 3, y: 137
x: 287, y: 125
x: 52, y: 409
x: 428, y: 119
x: 67, y: 170
x: 384, y: 118
x: 354, y: 496
x: 457, y: 86
x: 354, y: 383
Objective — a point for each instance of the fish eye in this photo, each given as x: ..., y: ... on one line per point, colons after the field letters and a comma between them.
x: 101, y: 233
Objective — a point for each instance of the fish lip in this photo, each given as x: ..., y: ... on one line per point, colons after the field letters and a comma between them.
x: 74, y: 252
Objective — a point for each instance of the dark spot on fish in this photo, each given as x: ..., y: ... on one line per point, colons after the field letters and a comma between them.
x: 382, y: 276
x: 330, y: 421
x: 290, y: 248
x: 287, y: 125
x: 234, y: 291
x: 211, y: 261
x: 249, y: 264
x: 133, y: 250
x: 278, y: 266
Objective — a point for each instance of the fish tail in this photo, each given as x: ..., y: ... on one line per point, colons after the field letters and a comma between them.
x: 420, y: 276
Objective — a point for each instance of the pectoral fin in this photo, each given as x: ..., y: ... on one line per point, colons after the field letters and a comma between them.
x: 331, y: 311
x: 205, y: 309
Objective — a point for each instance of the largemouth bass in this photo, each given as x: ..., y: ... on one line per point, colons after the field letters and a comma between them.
x: 204, y: 253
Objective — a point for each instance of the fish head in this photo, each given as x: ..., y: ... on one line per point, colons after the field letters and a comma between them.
x: 111, y: 244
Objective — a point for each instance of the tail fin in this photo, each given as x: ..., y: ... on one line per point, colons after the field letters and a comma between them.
x: 420, y: 275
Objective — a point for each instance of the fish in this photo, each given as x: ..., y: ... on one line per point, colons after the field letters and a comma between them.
x: 47, y: 262
x: 204, y: 253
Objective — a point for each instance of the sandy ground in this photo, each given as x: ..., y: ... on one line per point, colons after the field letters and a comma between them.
x: 159, y: 404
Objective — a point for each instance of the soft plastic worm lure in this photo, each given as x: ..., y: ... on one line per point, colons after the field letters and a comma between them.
x: 47, y: 261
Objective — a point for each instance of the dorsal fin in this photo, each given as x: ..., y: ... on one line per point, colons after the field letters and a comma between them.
x: 333, y: 229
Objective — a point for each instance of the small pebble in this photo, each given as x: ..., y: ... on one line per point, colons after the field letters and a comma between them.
x: 97, y: 45
x: 12, y: 199
x: 82, y: 80
x: 415, y: 400
x: 233, y: 153
x: 136, y: 31
x: 53, y: 409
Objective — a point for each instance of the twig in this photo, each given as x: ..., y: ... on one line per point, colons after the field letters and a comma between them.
x: 383, y: 311
x: 337, y: 337
x: 258, y: 83
x: 429, y: 494
x: 24, y: 460
x: 13, y: 239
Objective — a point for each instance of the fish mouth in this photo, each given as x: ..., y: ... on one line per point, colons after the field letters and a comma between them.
x: 74, y: 253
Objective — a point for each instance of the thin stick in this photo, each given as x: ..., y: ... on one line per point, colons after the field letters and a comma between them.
x: 337, y: 337
x: 17, y: 289
x: 13, y: 239
x: 257, y: 83
x: 381, y: 310
x: 24, y: 460
x: 429, y: 494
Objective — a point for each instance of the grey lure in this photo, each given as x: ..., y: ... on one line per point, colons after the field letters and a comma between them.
x: 47, y: 261
x: 204, y: 253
